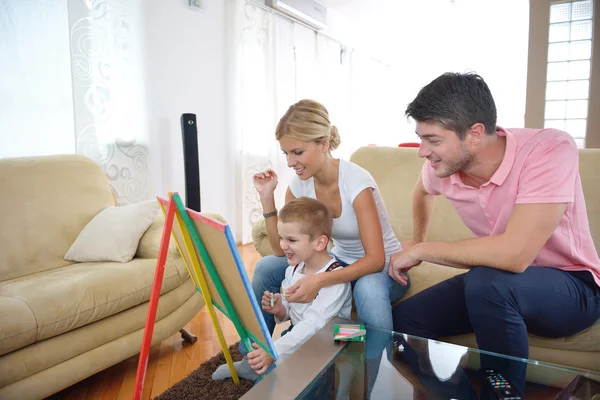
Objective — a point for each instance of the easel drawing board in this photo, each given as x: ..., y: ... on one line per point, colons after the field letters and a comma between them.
x: 210, y: 255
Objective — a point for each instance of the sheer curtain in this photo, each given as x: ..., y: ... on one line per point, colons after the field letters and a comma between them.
x: 275, y: 63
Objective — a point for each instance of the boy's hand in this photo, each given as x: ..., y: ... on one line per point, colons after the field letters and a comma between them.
x: 259, y: 360
x: 272, y: 298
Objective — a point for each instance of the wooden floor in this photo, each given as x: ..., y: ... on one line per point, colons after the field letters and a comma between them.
x: 169, y: 362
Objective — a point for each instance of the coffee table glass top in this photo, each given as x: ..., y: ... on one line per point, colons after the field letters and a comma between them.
x: 392, y: 365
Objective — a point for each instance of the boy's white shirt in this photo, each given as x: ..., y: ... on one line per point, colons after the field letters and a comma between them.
x: 308, y: 318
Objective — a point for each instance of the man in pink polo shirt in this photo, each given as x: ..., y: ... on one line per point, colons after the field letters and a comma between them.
x: 533, y: 266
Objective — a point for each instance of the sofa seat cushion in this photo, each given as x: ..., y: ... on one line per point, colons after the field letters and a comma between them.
x: 587, y: 340
x: 428, y: 274
x: 18, y: 327
x: 69, y: 297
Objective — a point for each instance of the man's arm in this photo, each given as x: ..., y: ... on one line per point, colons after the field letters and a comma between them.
x: 529, y: 228
x: 423, y: 204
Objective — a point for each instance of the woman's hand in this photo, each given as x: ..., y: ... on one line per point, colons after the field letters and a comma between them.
x: 265, y: 182
x: 305, y: 289
x: 259, y: 360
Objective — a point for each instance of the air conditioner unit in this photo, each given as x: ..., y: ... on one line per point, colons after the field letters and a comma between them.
x: 311, y: 12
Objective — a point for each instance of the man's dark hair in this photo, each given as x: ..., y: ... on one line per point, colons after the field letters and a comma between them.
x: 455, y: 101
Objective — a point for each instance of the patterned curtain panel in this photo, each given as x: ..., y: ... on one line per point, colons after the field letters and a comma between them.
x: 108, y: 92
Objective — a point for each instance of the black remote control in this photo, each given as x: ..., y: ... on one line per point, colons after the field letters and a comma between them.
x: 500, y: 386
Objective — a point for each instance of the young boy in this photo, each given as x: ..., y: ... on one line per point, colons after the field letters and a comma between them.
x: 304, y: 228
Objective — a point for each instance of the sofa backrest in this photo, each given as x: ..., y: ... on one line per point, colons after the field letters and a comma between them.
x: 46, y: 202
x: 396, y: 171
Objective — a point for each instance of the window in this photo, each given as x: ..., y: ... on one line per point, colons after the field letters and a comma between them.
x: 568, y: 68
x: 563, y: 69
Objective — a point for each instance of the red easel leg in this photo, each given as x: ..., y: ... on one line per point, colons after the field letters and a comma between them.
x: 150, y: 319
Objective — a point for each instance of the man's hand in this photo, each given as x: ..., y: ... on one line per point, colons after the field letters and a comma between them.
x: 305, y: 289
x: 278, y: 306
x: 401, y: 262
x: 259, y: 360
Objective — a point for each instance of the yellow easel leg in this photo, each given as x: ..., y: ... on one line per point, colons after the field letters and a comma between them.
x: 203, y: 289
x: 180, y: 249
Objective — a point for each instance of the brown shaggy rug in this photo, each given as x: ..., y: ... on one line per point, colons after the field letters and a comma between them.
x: 199, y: 384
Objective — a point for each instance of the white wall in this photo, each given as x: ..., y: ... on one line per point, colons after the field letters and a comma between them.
x: 423, y: 39
x: 36, y: 105
x: 186, y: 73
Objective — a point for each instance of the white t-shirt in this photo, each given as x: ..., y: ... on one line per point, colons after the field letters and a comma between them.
x: 352, y: 180
x: 308, y: 318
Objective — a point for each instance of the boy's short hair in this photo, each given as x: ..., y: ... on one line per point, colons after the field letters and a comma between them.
x: 313, y: 215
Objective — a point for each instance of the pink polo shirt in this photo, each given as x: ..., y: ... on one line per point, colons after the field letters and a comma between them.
x: 539, y: 166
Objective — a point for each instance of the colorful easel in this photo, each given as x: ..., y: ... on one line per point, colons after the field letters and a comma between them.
x: 214, y: 265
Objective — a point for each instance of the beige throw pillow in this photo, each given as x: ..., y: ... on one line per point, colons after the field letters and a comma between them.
x: 113, y: 234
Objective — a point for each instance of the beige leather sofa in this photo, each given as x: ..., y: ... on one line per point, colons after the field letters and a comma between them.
x: 396, y: 171
x: 60, y: 321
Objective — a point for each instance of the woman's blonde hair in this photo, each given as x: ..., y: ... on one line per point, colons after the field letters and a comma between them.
x: 308, y: 121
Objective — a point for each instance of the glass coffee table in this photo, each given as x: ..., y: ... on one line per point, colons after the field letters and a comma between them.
x: 408, y: 367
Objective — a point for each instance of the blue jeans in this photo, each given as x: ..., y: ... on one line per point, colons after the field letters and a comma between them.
x: 501, y: 308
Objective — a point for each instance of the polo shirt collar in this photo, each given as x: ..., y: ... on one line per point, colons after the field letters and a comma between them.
x: 509, y: 157
x: 505, y: 166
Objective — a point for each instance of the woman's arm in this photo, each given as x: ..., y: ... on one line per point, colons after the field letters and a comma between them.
x: 371, y: 237
x: 268, y: 205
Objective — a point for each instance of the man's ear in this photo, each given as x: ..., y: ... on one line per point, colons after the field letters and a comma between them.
x: 476, y: 133
x: 322, y: 242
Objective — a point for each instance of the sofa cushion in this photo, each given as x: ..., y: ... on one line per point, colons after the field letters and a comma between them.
x: 47, y: 202
x: 428, y: 274
x: 113, y: 234
x: 18, y: 327
x: 44, y: 354
x: 69, y: 297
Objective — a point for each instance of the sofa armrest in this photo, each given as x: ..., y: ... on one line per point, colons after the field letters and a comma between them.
x: 150, y: 242
x: 260, y: 239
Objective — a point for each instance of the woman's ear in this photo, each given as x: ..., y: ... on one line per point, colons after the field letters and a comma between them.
x: 324, y: 146
x: 322, y: 242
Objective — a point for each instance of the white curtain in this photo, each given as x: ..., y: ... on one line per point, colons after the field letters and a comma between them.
x: 36, y: 113
x: 276, y: 63
x: 108, y: 92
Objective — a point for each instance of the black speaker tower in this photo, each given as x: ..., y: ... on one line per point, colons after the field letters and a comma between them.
x: 189, y: 132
